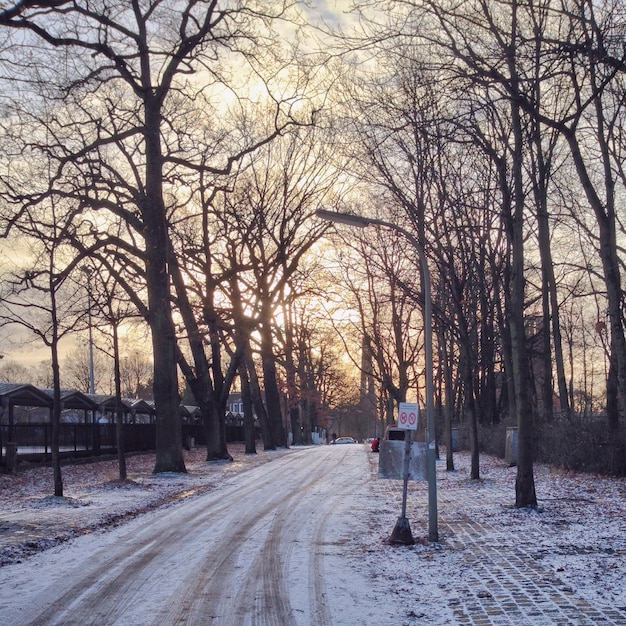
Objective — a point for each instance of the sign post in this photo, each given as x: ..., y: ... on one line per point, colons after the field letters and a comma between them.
x: 407, y: 421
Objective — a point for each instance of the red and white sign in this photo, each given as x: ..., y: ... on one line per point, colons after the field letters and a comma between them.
x: 407, y: 415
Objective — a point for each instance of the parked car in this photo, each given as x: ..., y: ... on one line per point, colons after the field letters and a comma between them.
x: 343, y: 440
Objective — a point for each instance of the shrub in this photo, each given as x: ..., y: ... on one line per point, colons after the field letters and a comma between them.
x: 578, y: 443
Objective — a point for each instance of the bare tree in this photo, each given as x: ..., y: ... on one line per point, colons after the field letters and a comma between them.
x: 75, y: 370
x: 265, y: 217
x: 14, y: 372
x: 131, y: 78
x: 378, y: 281
x: 136, y: 374
x: 112, y: 310
x: 42, y: 300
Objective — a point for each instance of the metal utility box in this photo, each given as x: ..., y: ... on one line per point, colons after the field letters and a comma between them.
x: 510, y: 449
x: 394, y: 434
x: 391, y: 460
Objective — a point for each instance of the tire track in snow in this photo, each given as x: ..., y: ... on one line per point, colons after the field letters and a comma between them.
x: 249, y: 553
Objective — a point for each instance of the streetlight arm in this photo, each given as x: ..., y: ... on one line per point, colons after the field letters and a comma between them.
x: 361, y: 221
x: 343, y: 218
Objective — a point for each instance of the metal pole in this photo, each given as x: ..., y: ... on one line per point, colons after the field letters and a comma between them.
x: 361, y: 222
x: 405, y: 474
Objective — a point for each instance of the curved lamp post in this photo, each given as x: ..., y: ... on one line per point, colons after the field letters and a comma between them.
x: 360, y: 221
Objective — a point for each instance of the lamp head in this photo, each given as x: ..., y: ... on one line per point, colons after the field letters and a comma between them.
x: 343, y: 218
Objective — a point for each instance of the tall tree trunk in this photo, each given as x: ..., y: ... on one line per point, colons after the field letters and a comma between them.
x: 257, y: 401
x: 270, y: 383
x: 308, y: 392
x: 547, y: 388
x: 206, y: 392
x: 119, y: 411
x: 56, y: 411
x: 525, y: 481
x: 169, y: 442
x: 550, y: 302
x: 367, y: 391
x: 612, y: 396
x: 293, y: 406
x: 505, y: 333
x: 449, y: 398
x: 487, y: 390
x: 605, y: 218
x: 249, y: 429
x: 469, y: 409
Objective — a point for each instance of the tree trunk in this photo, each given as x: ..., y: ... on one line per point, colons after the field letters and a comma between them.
x: 272, y: 399
x: 56, y: 412
x: 169, y: 443
x: 248, y: 410
x: 449, y: 396
x: 507, y: 349
x: 550, y: 302
x: 257, y: 402
x: 525, y: 481
x: 487, y: 390
x: 610, y: 265
x: 469, y: 410
x: 270, y: 384
x: 612, y: 396
x: 206, y: 392
x: 119, y: 411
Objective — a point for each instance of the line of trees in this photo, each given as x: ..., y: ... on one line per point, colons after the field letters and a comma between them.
x: 172, y: 146
x: 180, y: 149
x: 494, y: 131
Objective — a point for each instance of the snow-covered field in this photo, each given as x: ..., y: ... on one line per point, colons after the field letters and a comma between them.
x: 494, y: 564
x: 31, y: 519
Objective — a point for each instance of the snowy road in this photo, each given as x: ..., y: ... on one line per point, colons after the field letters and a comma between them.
x: 255, y: 551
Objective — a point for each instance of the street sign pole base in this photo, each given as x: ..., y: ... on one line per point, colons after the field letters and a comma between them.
x: 402, y: 533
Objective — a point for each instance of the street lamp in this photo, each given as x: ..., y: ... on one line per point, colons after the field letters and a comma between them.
x: 87, y: 270
x: 360, y: 221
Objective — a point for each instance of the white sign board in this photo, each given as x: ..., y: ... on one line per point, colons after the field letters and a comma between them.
x: 407, y: 415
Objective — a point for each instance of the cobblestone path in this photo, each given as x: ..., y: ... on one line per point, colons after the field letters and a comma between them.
x: 506, y: 572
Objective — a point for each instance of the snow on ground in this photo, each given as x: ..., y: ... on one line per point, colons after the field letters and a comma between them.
x: 576, y: 537
x: 32, y: 520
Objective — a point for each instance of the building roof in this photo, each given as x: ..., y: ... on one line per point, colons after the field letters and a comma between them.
x: 73, y: 399
x: 18, y: 394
